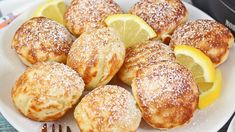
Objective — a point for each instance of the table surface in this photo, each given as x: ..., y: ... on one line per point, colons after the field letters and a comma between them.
x: 6, y: 127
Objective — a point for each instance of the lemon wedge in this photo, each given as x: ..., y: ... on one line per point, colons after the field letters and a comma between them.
x: 131, y: 28
x: 208, y: 97
x: 197, y: 62
x: 208, y: 79
x: 53, y: 9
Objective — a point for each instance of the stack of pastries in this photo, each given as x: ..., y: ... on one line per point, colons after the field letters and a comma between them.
x: 62, y: 66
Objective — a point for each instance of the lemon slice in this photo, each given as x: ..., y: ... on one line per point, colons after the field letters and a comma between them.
x: 53, y: 9
x: 198, y: 63
x: 207, y: 78
x: 208, y: 97
x: 131, y: 28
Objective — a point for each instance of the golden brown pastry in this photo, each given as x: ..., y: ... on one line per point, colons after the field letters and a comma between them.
x: 97, y: 56
x: 46, y: 91
x: 108, y: 108
x: 41, y: 39
x: 162, y: 15
x: 211, y: 37
x: 82, y: 15
x: 166, y: 94
x: 146, y: 53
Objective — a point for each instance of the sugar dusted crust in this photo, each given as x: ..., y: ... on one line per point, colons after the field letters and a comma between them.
x: 166, y: 94
x: 82, y: 15
x: 97, y: 56
x: 146, y: 53
x: 108, y: 108
x: 41, y: 39
x: 47, y: 90
x: 162, y: 15
x: 211, y: 37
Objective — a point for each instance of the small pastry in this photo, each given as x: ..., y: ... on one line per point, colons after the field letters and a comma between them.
x: 83, y: 15
x: 97, y: 56
x: 41, y: 39
x: 146, y: 53
x: 211, y: 37
x: 166, y: 94
x: 108, y: 108
x: 162, y: 15
x: 46, y: 91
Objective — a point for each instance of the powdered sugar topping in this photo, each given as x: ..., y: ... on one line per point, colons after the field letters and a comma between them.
x: 196, y: 31
x: 148, y: 53
x: 91, y: 44
x: 165, y: 83
x: 43, y: 34
x: 114, y: 103
x: 161, y: 15
x: 55, y: 79
x: 85, y: 14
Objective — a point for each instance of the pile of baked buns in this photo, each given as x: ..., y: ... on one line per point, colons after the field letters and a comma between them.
x: 86, y: 54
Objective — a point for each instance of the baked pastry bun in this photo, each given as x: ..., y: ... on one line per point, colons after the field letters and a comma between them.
x: 166, y: 94
x: 211, y: 37
x: 41, y: 39
x: 46, y: 91
x: 146, y: 53
x: 97, y: 56
x: 108, y: 108
x: 83, y: 15
x: 162, y: 15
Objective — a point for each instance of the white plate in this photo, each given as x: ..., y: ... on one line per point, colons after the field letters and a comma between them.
x: 209, y: 119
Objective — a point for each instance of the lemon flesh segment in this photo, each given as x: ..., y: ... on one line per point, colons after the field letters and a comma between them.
x: 209, y: 96
x: 197, y: 62
x: 53, y: 9
x: 132, y: 29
